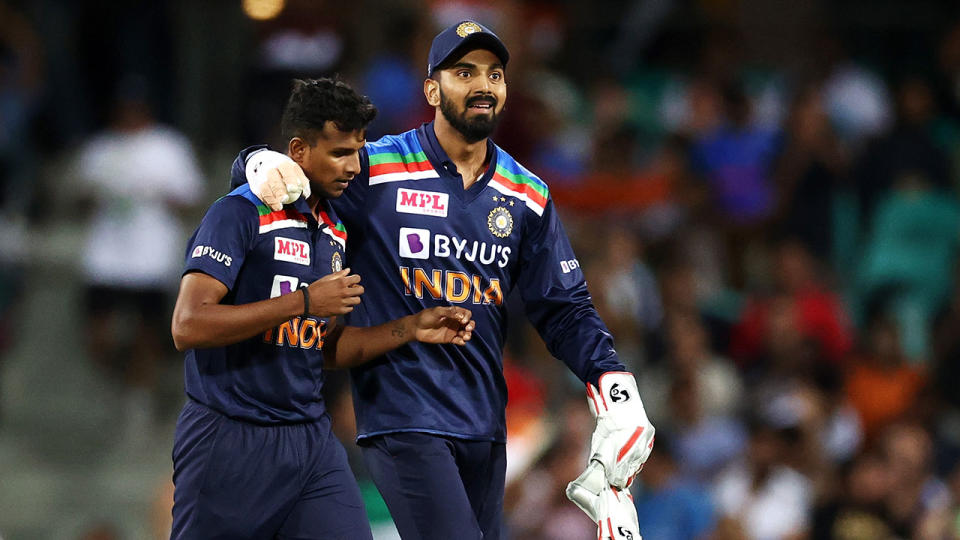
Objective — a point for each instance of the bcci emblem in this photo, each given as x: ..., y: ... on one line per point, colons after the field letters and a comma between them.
x: 500, y: 222
x: 336, y: 264
x: 467, y: 28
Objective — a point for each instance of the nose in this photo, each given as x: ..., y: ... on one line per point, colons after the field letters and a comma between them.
x: 352, y: 167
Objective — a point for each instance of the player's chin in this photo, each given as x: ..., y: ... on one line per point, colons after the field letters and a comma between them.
x: 335, y: 189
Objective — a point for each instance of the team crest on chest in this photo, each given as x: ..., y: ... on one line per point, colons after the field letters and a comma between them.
x: 336, y: 263
x: 500, y: 222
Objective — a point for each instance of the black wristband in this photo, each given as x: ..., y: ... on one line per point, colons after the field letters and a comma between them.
x: 306, y: 302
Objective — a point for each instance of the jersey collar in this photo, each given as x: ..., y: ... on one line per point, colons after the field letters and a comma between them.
x: 445, y: 166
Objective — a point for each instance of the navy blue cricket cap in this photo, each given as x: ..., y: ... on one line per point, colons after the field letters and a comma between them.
x: 462, y: 37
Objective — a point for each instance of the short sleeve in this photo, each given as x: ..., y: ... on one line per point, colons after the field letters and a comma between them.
x: 223, y: 239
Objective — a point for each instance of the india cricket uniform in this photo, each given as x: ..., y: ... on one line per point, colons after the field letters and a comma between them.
x: 254, y: 455
x: 419, y: 239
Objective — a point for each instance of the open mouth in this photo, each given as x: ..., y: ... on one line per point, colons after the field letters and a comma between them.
x: 481, y: 104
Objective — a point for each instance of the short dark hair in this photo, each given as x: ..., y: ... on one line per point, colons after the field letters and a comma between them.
x: 314, y: 102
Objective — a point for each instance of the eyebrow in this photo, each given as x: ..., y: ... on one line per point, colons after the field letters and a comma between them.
x: 345, y: 148
x: 468, y: 65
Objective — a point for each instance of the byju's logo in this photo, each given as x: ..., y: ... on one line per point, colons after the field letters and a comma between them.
x: 569, y: 266
x: 414, y: 243
x: 283, y: 285
x: 616, y: 394
x: 218, y: 256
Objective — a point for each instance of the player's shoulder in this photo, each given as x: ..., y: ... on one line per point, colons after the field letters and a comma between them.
x: 402, y: 144
x: 514, y: 179
x: 264, y: 219
x: 398, y: 157
x: 241, y: 198
x: 240, y: 203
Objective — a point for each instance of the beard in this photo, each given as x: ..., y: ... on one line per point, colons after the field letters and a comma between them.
x: 473, y: 129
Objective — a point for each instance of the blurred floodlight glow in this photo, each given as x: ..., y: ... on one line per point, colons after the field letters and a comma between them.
x: 262, y: 10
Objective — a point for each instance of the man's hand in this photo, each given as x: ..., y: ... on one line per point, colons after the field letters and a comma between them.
x: 335, y: 294
x: 276, y: 179
x: 612, y: 510
x: 444, y: 325
x: 623, y: 437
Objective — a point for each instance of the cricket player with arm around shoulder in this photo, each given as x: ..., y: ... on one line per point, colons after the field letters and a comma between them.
x: 254, y: 455
x: 440, y: 214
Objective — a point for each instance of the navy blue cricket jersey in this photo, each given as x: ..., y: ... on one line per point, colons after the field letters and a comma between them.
x: 276, y: 377
x: 419, y: 240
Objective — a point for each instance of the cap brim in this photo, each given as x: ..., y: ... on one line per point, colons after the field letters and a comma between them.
x: 479, y: 40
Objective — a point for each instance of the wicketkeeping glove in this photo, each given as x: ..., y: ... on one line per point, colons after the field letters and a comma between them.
x: 612, y: 510
x: 276, y: 179
x: 623, y: 437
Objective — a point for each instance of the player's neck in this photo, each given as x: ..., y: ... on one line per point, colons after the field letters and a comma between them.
x: 469, y: 157
x: 315, y: 202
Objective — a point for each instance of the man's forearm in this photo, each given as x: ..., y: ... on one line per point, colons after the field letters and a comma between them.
x: 216, y: 325
x: 351, y: 345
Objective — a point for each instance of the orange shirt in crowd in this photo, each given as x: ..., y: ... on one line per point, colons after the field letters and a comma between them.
x: 607, y: 192
x: 881, y: 395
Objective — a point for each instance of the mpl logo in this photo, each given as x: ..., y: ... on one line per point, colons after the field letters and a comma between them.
x: 283, y: 285
x: 425, y: 203
x: 295, y: 251
x: 414, y: 243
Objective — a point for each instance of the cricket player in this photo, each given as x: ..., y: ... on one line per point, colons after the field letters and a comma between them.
x: 441, y: 215
x: 254, y: 455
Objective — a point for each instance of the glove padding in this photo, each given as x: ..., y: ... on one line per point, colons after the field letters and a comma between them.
x: 612, y: 510
x: 623, y: 437
x: 276, y: 179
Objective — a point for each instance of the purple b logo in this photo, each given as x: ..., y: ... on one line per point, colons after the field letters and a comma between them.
x: 414, y: 243
x: 413, y: 240
x: 283, y: 285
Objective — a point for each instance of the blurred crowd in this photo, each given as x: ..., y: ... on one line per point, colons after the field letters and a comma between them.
x: 763, y: 197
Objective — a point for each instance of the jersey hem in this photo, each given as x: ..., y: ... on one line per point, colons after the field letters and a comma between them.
x: 259, y: 422
x: 363, y: 436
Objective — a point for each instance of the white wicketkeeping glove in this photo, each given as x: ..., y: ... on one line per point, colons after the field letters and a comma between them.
x: 623, y: 437
x: 276, y: 179
x: 612, y: 510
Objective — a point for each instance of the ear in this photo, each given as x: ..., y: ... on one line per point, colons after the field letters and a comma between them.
x: 431, y: 91
x: 297, y: 149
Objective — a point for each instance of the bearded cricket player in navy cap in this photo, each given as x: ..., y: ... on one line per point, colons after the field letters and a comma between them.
x: 438, y: 216
x: 254, y: 454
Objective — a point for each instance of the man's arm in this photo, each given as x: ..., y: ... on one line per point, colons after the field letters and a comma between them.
x: 350, y: 346
x: 200, y: 321
x: 277, y: 180
x: 558, y: 304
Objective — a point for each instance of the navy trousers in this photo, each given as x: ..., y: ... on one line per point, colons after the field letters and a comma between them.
x: 439, y: 487
x: 239, y: 480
